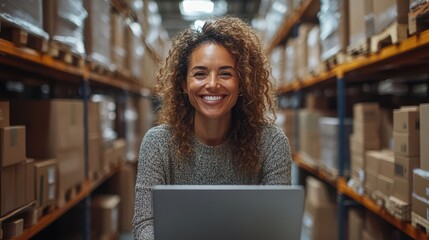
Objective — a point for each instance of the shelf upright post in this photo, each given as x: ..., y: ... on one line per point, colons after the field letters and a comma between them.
x: 341, y: 109
x: 87, y: 200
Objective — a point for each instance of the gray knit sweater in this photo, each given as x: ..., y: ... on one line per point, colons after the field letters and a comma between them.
x: 212, y: 165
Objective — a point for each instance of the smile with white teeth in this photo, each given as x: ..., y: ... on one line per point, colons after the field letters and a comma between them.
x: 212, y: 98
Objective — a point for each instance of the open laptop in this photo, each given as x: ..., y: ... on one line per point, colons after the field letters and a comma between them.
x: 227, y: 212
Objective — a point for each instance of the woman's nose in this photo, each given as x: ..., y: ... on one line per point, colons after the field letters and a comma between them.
x: 212, y: 81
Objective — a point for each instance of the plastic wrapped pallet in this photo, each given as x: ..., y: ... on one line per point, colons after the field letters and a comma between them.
x: 387, y: 12
x: 314, y: 61
x: 290, y: 64
x: 98, y: 32
x: 64, y: 22
x: 361, y: 22
x: 118, y: 52
x: 27, y: 15
x: 329, y: 145
x: 333, y: 18
x: 135, y: 50
x: 302, y: 50
x: 278, y: 63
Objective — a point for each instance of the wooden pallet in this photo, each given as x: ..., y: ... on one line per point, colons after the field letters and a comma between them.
x: 394, y: 34
x: 26, y: 213
x: 337, y: 59
x: 46, y: 209
x: 65, y: 53
x: 21, y: 37
x: 68, y: 195
x: 99, y: 68
x: 399, y: 209
x: 359, y: 48
x: 379, y: 198
x: 316, y: 71
x: 418, y: 19
x: 420, y: 222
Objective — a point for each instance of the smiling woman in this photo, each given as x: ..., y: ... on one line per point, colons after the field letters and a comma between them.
x: 215, y: 125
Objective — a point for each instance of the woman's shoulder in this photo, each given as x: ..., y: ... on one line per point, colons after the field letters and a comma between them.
x: 158, y: 132
x: 270, y: 130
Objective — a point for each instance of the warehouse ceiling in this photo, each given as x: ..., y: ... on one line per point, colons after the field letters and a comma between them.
x: 173, y: 21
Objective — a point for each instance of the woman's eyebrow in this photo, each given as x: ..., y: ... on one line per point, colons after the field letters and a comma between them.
x: 199, y: 68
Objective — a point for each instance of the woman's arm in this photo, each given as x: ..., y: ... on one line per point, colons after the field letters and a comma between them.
x: 150, y: 173
x: 276, y: 157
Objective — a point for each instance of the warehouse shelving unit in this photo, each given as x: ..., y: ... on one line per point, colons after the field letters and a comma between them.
x: 409, y: 56
x: 33, y: 62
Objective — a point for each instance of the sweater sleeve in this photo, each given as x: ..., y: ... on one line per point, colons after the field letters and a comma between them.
x: 276, y: 157
x: 150, y: 172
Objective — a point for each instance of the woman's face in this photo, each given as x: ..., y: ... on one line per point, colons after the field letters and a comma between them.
x: 212, y: 82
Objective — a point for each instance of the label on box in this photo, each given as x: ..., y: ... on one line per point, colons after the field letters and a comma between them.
x: 399, y: 170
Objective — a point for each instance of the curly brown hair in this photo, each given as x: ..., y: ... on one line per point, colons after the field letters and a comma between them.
x: 254, y: 108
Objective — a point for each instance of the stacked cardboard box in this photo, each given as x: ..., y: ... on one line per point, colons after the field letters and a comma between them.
x: 333, y: 18
x: 379, y: 175
x: 302, y: 50
x: 104, y: 214
x: 387, y: 12
x: 406, y: 136
x: 16, y: 189
x: 361, y: 23
x: 420, y: 197
x: 320, y: 212
x: 366, y: 125
x: 355, y: 221
x: 63, y: 20
x: 286, y: 121
x: 56, y: 133
x: 97, y: 26
x: 329, y: 145
x: 45, y: 176
x: 424, y: 136
x: 118, y: 50
x: 290, y: 74
x: 314, y: 60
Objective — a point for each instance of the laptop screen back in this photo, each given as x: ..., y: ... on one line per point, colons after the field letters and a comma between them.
x: 227, y: 212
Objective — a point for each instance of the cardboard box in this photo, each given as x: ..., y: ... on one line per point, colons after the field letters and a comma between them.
x: 94, y: 119
x: 371, y: 163
x: 4, y: 114
x: 117, y: 51
x: 387, y: 12
x: 119, y: 151
x: 406, y: 144
x: 402, y: 189
x: 361, y: 23
x: 366, y: 129
x: 122, y: 184
x: 386, y: 164
x: 104, y: 212
x: 421, y: 183
x: 59, y: 125
x: 20, y: 184
x: 364, y: 112
x: 12, y: 145
x: 8, y: 189
x: 46, y: 180
x: 424, y: 136
x: 13, y: 228
x: 375, y: 227
x: 406, y: 121
x: 355, y: 223
x: 404, y: 166
x: 360, y: 145
x: 420, y: 206
x: 70, y: 169
x: 30, y: 194
x: 385, y: 185
x: 370, y: 181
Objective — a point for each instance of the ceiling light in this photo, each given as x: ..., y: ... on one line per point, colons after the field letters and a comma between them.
x: 196, y: 7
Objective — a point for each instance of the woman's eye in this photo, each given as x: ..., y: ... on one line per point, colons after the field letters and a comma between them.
x: 199, y: 75
x: 225, y: 74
